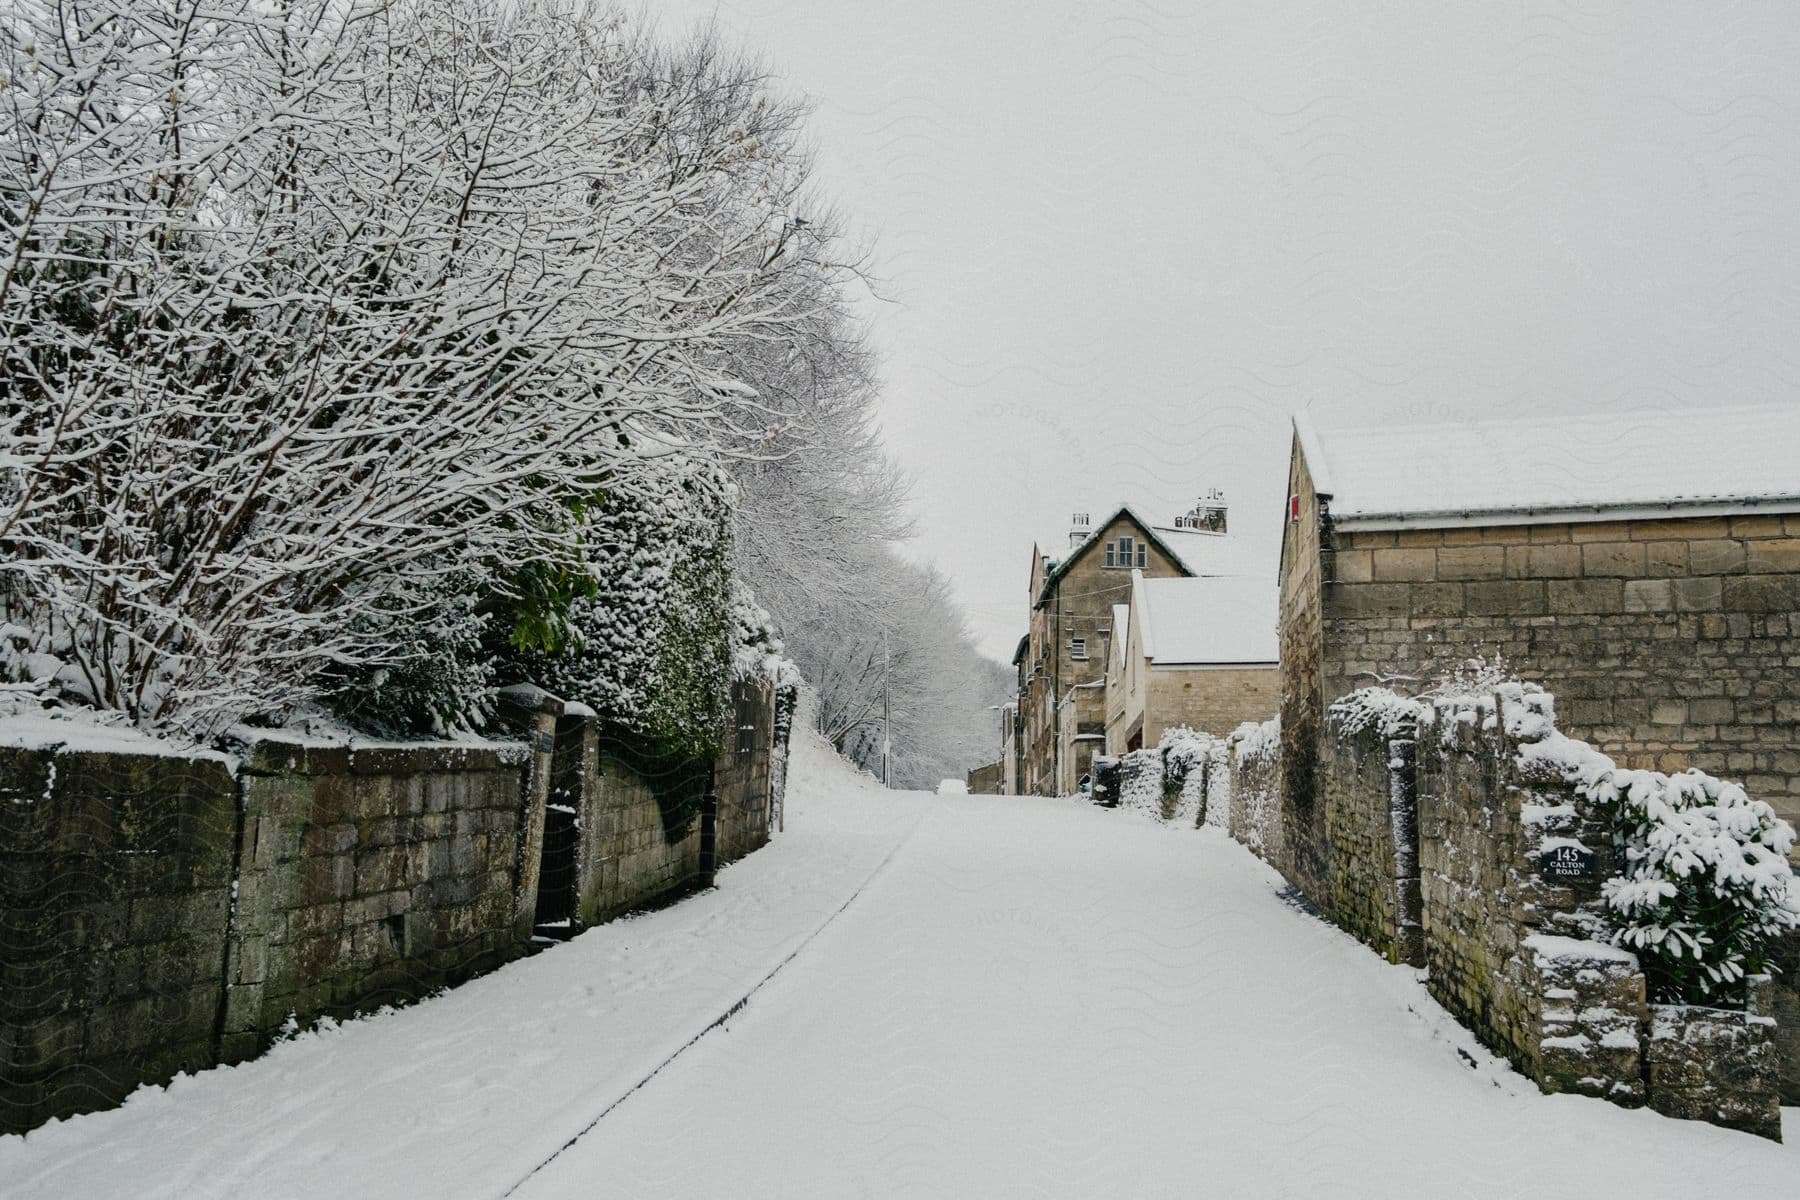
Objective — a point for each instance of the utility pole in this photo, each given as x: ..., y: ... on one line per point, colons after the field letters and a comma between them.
x: 887, y: 729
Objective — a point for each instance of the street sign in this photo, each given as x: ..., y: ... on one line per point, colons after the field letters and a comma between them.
x: 1567, y: 862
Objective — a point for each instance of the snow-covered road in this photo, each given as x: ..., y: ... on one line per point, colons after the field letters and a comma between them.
x: 1023, y: 997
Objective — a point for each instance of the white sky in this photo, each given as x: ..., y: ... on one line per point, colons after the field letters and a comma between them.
x: 1124, y: 241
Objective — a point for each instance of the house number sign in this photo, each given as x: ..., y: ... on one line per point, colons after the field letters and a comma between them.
x: 1567, y: 862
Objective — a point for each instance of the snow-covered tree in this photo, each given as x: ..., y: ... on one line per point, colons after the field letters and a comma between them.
x: 311, y: 306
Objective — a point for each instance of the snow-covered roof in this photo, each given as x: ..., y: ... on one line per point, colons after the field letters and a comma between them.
x: 1200, y: 551
x: 1209, y: 619
x: 1572, y: 467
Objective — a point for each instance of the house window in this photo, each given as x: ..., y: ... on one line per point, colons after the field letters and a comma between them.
x: 1109, y: 555
x: 1078, y: 648
x: 1142, y: 553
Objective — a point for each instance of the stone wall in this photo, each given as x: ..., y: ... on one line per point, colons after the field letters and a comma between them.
x: 369, y: 876
x: 1507, y: 942
x: 361, y: 877
x: 1782, y: 1005
x: 1368, y: 788
x: 1668, y: 643
x: 639, y: 820
x: 1305, y: 563
x: 115, y: 888
x: 1505, y: 946
x: 743, y: 778
x: 988, y: 781
x: 1255, y: 793
x: 1213, y: 700
x: 636, y: 854
x: 363, y: 874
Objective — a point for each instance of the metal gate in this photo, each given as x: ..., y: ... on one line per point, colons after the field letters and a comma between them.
x: 555, y: 916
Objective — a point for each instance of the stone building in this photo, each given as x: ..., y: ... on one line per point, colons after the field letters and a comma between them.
x: 1199, y: 652
x: 1061, y: 661
x: 1644, y: 567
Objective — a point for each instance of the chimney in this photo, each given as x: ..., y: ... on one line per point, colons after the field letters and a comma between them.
x: 1208, y: 514
x: 1080, y: 527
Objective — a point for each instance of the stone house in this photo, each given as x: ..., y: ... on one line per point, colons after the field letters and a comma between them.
x: 1199, y: 652
x: 1061, y: 661
x: 1644, y: 567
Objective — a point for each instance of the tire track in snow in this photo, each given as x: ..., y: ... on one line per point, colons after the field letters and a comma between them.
x: 735, y: 1007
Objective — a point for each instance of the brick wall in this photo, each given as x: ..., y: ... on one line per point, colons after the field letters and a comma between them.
x: 1668, y: 643
x: 115, y: 884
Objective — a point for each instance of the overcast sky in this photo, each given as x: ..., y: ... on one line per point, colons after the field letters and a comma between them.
x: 1123, y: 242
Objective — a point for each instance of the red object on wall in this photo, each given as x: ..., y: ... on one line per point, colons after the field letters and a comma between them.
x: 1294, y: 508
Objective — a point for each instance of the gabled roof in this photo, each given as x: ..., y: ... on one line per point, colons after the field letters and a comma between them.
x: 1569, y: 467
x: 1205, y: 621
x: 1188, y: 549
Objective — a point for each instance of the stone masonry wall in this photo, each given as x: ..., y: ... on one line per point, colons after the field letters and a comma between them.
x: 1783, y: 1006
x: 363, y: 874
x: 115, y: 884
x: 743, y: 779
x: 1504, y: 946
x: 633, y: 857
x: 360, y: 878
x: 1305, y: 563
x: 1367, y: 786
x: 1213, y: 700
x: 369, y: 876
x: 1668, y: 643
x: 1254, y: 805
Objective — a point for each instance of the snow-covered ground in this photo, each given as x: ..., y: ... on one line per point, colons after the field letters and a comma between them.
x: 1022, y: 997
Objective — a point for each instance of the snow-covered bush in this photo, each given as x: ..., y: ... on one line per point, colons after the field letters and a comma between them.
x: 1706, y: 889
x: 440, y: 677
x: 651, y: 649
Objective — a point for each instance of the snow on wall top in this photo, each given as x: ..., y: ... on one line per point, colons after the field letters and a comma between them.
x: 1575, y: 467
x: 1211, y: 619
